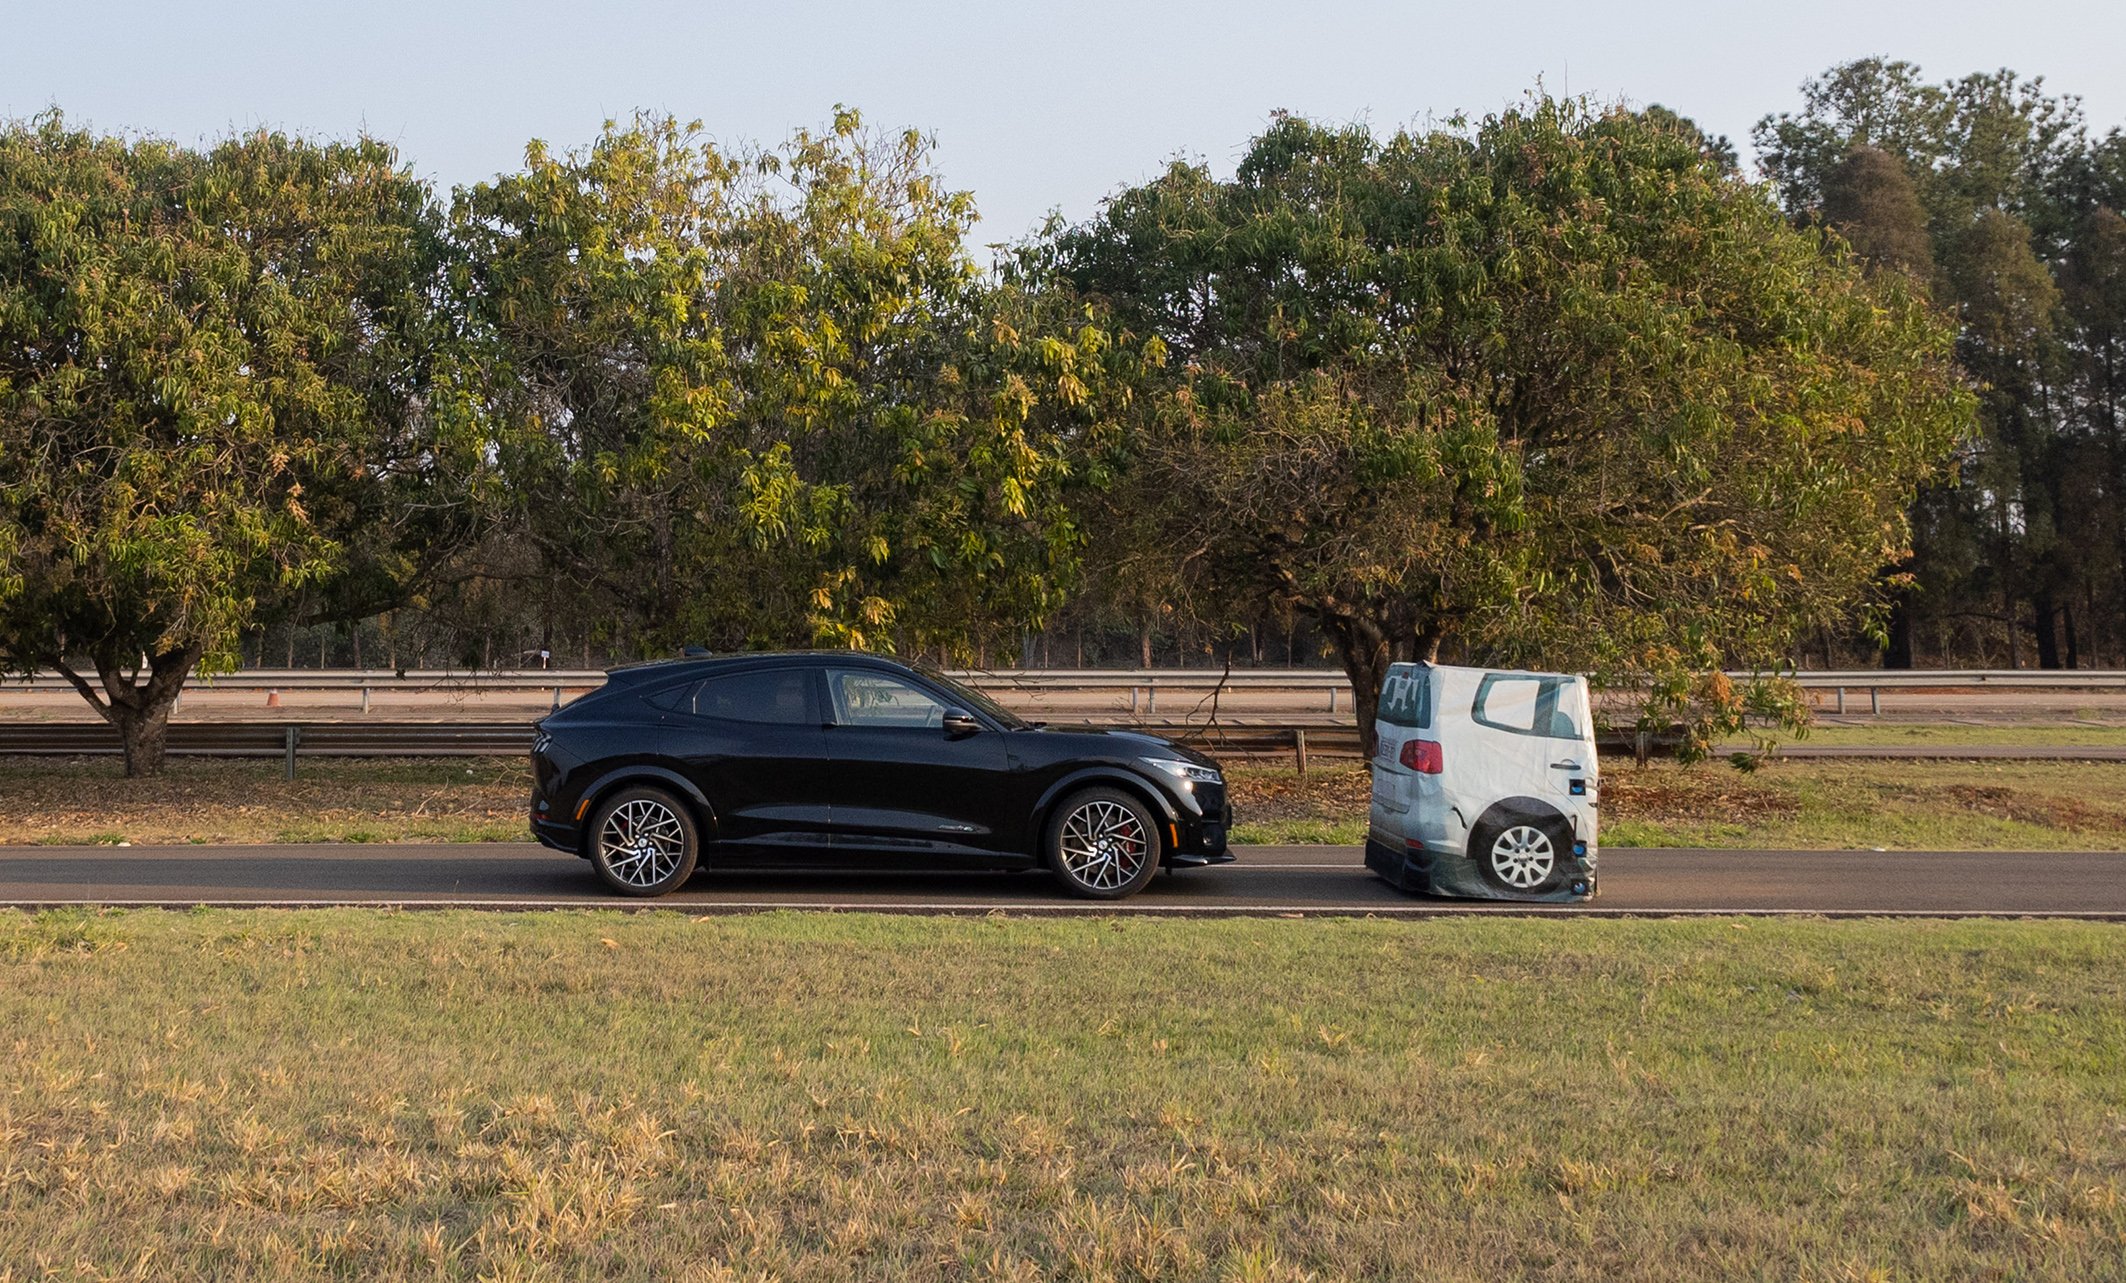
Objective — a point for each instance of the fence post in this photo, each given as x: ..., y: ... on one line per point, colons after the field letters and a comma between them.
x: 1642, y: 747
x: 292, y: 736
x: 1841, y: 701
x: 1875, y: 700
x: 1299, y: 749
x: 1332, y: 699
x: 365, y: 699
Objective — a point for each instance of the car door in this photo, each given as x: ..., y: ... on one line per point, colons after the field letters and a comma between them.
x: 901, y: 782
x: 754, y: 743
x: 1528, y: 737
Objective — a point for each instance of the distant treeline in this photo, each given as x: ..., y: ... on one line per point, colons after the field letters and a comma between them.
x: 1559, y: 386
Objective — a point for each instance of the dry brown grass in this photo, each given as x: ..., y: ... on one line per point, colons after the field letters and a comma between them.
x: 262, y: 1095
x: 1920, y: 805
x: 223, y: 800
x: 1908, y: 805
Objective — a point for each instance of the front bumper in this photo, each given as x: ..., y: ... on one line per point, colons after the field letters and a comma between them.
x: 1195, y: 842
x: 561, y: 835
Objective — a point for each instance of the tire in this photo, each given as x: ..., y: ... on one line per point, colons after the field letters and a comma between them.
x: 644, y: 842
x: 1103, y: 844
x: 1521, y: 854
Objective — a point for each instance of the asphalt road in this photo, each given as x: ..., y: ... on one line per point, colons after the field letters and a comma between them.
x: 1266, y: 880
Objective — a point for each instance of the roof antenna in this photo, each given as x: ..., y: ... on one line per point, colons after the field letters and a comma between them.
x: 696, y: 652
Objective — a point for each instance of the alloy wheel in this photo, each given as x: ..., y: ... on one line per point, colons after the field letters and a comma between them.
x: 642, y: 842
x: 1103, y: 845
x: 1523, y: 857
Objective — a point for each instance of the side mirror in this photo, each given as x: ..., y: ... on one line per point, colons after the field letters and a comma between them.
x: 959, y: 724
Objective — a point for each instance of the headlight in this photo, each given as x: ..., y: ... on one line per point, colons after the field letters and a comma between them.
x: 1186, y: 772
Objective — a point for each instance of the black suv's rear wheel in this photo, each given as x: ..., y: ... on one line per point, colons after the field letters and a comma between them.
x: 1103, y: 843
x: 644, y: 842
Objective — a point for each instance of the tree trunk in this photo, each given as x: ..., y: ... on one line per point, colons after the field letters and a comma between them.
x: 2015, y: 630
x: 1366, y: 649
x: 1898, y: 652
x: 145, y: 734
x: 2045, y: 612
x: 139, y: 710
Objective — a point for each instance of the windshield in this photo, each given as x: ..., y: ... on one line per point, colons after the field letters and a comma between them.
x: 977, y: 701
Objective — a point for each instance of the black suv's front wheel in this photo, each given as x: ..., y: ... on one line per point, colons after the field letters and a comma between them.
x: 1103, y: 843
x: 644, y: 842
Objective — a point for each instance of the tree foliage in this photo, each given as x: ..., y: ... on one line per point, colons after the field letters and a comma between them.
x: 1555, y: 388
x: 2014, y: 193
x: 765, y: 397
x: 224, y: 399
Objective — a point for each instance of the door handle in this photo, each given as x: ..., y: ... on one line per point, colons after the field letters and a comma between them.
x: 1564, y: 766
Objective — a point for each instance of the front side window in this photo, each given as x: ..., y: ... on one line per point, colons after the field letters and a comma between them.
x: 1526, y: 705
x: 864, y: 698
x: 969, y: 697
x: 771, y: 696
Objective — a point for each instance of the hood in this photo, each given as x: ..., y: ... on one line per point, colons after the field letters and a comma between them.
x: 1135, y: 743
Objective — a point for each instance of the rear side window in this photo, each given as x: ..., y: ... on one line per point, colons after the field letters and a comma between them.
x: 1406, y: 697
x: 771, y: 696
x: 1525, y: 705
x: 677, y: 699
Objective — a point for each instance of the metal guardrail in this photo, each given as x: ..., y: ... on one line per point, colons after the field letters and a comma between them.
x: 286, y: 740
x: 1070, y: 679
x: 1300, y: 739
x: 1142, y: 686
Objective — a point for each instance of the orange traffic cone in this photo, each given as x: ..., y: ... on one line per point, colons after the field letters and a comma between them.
x: 273, y: 699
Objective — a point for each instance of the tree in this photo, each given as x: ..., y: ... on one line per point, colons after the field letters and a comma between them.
x: 2010, y: 184
x: 1871, y: 200
x: 226, y: 397
x: 1556, y: 388
x: 764, y: 398
x: 2095, y: 298
x: 2007, y: 305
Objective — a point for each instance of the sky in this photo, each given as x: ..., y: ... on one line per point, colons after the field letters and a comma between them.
x: 1033, y: 107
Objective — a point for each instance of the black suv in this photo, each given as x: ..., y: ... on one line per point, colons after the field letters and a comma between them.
x: 795, y: 757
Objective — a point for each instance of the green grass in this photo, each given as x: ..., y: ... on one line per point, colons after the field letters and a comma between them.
x: 2071, y: 734
x: 1344, y: 831
x: 1837, y: 805
x: 224, y: 1095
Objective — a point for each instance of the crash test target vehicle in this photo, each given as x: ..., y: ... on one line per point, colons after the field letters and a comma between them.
x: 851, y: 761
x: 1484, y: 784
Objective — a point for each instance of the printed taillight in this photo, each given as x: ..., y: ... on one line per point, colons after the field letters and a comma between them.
x: 1422, y: 756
